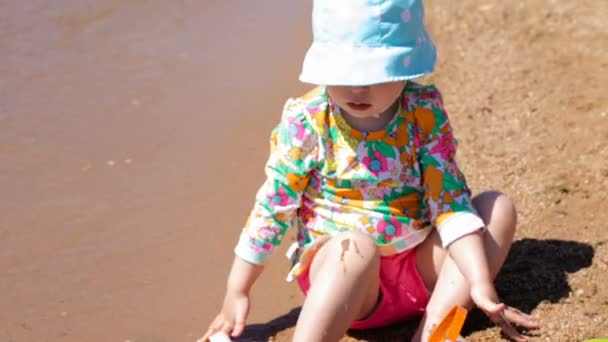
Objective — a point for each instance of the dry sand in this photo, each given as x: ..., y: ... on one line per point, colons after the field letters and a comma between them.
x: 133, y: 134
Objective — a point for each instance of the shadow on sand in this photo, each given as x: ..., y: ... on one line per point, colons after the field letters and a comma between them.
x: 262, y: 332
x: 535, y: 271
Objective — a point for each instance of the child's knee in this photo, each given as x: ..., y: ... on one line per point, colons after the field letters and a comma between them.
x: 362, y: 241
x: 506, y: 206
x: 357, y: 247
x: 495, y: 206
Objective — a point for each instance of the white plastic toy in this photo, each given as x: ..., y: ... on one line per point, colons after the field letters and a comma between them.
x: 219, y: 336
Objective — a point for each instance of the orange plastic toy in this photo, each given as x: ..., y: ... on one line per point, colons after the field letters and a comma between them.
x: 450, y: 326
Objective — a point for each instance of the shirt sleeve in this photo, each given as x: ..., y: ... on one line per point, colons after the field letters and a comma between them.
x: 446, y: 192
x: 293, y: 155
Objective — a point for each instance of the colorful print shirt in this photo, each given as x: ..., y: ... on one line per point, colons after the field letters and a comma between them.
x: 325, y: 177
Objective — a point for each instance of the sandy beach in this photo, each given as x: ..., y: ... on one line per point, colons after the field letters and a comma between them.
x: 133, y: 136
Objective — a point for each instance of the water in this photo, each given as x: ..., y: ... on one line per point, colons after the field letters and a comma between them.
x: 132, y: 140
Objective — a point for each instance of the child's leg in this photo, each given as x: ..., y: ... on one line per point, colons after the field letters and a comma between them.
x: 345, y: 285
x: 441, y: 275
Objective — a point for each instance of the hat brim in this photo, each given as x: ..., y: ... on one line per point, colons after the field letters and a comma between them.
x: 351, y: 65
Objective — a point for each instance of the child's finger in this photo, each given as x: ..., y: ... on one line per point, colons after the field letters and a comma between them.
x: 239, y: 322
x: 213, y: 328
x: 239, y: 326
x: 227, y: 327
x: 239, y: 319
x: 521, y: 319
x: 508, y: 329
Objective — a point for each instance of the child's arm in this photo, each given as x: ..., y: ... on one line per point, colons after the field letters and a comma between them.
x: 235, y: 308
x: 469, y: 254
x: 293, y: 156
x: 449, y: 200
x: 242, y: 276
x: 451, y: 210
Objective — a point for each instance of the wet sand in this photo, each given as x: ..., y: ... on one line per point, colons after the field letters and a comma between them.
x: 132, y: 140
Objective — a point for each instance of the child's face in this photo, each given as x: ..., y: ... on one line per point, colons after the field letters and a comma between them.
x: 366, y: 101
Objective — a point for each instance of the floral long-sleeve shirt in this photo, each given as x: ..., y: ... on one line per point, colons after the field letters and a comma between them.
x: 325, y: 177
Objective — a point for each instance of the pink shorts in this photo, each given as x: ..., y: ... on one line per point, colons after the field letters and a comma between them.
x: 403, y: 293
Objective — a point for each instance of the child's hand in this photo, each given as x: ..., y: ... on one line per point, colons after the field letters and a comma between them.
x: 485, y: 297
x: 232, y: 317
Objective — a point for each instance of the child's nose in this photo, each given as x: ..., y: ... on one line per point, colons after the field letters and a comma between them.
x: 359, y: 89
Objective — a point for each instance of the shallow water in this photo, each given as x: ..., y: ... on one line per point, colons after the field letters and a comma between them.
x: 132, y: 140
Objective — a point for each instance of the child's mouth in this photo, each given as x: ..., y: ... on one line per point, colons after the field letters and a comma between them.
x: 358, y: 106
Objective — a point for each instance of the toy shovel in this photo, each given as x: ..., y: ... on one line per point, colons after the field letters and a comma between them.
x: 450, y: 326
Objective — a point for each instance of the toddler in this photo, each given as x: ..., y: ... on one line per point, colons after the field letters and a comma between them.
x: 363, y: 166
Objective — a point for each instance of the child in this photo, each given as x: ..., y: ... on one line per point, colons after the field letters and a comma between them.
x: 363, y: 166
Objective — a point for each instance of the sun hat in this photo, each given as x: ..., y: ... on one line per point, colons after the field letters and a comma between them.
x: 365, y: 42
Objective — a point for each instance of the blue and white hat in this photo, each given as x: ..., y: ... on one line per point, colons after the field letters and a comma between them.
x: 365, y: 42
